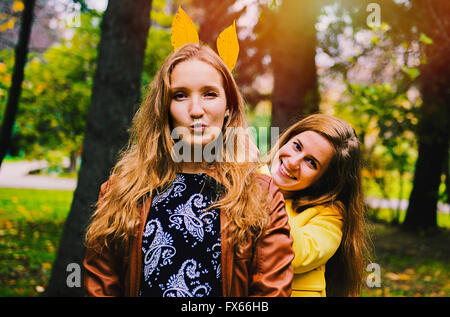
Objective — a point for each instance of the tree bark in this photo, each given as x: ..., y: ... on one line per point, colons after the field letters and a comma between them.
x: 432, y: 160
x: 434, y: 124
x: 293, y: 54
x: 115, y: 97
x: 15, y: 90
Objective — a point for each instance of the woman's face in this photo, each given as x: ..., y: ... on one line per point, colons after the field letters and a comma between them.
x: 301, y: 161
x: 198, y: 103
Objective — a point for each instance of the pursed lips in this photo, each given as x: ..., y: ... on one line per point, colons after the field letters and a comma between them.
x: 198, y: 127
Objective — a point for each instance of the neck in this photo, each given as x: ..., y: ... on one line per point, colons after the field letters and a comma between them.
x: 287, y: 194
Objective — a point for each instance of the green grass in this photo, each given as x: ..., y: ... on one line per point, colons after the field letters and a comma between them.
x: 33, y: 204
x: 31, y: 223
x: 412, y: 264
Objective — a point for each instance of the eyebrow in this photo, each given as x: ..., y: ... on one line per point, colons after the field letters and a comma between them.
x: 207, y: 87
x: 301, y: 145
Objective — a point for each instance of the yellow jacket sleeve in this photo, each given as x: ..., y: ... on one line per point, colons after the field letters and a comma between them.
x: 317, y: 233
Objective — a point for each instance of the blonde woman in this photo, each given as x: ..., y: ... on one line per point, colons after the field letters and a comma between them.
x: 172, y: 225
x: 316, y: 165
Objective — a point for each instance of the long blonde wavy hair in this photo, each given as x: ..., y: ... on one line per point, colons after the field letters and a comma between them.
x: 146, y: 165
x: 341, y: 187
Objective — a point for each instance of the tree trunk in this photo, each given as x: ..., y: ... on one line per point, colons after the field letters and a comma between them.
x: 422, y: 208
x: 293, y: 54
x: 15, y: 90
x: 433, y: 136
x: 115, y: 97
x: 73, y: 161
x: 432, y: 156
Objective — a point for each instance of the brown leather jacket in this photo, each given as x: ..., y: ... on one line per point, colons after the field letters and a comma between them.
x: 263, y: 269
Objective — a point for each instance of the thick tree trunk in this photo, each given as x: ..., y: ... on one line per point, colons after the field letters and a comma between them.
x: 432, y: 156
x: 293, y: 54
x: 422, y: 209
x: 433, y: 134
x: 115, y: 97
x: 15, y: 90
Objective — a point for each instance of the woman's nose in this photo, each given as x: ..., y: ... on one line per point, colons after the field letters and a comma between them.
x: 293, y: 163
x: 196, y: 110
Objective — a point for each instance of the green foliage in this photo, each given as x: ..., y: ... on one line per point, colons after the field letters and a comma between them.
x: 158, y: 48
x: 385, y: 120
x: 56, y: 92
x: 158, y: 43
x: 56, y: 95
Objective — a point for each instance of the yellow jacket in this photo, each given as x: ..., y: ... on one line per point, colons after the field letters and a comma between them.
x: 317, y: 234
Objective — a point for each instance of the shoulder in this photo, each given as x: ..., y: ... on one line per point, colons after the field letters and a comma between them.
x: 320, y: 212
x: 275, y: 199
x: 336, y: 210
x: 266, y: 182
x: 327, y: 209
x: 264, y: 169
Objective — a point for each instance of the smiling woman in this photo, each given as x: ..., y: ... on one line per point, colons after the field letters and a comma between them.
x: 301, y: 161
x: 318, y: 169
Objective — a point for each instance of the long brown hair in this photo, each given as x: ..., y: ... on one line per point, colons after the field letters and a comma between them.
x: 147, y: 165
x: 341, y: 187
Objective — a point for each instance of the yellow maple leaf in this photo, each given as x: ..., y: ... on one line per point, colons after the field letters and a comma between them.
x: 228, y: 46
x: 183, y: 30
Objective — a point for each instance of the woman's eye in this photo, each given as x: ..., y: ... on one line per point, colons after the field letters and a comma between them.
x: 211, y: 94
x: 179, y: 96
x: 312, y: 163
x: 297, y: 146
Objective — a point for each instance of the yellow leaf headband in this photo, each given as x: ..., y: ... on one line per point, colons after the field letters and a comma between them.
x: 184, y: 32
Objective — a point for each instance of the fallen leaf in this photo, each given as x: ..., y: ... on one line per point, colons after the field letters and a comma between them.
x: 396, y: 277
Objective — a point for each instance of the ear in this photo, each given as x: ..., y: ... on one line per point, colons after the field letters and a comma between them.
x: 228, y: 46
x: 183, y: 30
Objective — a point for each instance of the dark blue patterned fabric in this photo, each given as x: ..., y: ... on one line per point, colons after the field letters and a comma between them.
x: 181, y: 240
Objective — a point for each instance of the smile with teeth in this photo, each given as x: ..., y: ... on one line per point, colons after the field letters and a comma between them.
x: 286, y: 173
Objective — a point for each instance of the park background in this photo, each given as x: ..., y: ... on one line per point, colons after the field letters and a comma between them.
x: 70, y: 85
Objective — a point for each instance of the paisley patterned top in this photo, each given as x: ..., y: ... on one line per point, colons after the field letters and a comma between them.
x: 181, y: 240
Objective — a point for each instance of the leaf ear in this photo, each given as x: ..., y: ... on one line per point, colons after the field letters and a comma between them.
x: 228, y: 46
x: 183, y: 30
